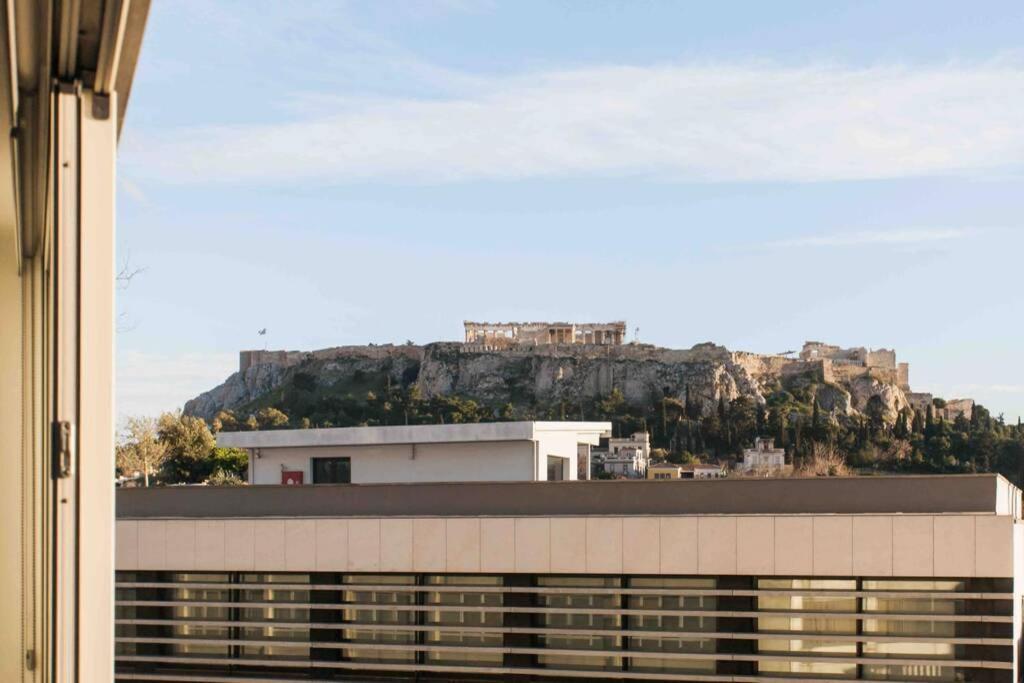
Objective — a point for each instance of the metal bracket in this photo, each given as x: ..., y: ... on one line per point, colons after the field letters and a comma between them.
x: 63, y: 460
x: 101, y: 106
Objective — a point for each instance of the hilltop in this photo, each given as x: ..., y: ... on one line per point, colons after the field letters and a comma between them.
x: 846, y: 408
x: 540, y: 380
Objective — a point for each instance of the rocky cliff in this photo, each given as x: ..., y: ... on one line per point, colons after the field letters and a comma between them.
x: 544, y: 376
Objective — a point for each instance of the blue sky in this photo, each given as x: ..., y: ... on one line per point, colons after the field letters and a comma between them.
x: 754, y: 174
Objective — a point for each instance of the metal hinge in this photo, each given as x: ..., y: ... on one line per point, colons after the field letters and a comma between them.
x: 30, y: 660
x: 63, y: 461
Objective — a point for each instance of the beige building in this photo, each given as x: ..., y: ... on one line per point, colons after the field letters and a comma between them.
x: 492, y: 451
x: 734, y: 580
x: 664, y: 470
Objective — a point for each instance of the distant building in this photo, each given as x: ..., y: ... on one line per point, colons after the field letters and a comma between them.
x: 763, y: 457
x: 664, y: 470
x: 703, y: 470
x: 498, y: 451
x: 504, y: 335
x: 628, y: 456
x: 697, y: 470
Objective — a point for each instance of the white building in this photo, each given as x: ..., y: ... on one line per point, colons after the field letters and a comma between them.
x: 628, y: 456
x: 703, y: 470
x: 763, y: 457
x: 495, y: 451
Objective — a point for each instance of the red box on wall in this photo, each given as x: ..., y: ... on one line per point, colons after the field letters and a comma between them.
x: 289, y: 477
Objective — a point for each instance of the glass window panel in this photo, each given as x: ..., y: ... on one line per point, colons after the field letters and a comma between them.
x: 332, y: 470
x: 808, y: 669
x: 917, y: 672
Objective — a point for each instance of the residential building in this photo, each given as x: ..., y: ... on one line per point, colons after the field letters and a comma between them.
x: 628, y: 456
x: 703, y: 470
x: 664, y: 470
x: 763, y: 457
x: 913, y: 578
x: 492, y: 451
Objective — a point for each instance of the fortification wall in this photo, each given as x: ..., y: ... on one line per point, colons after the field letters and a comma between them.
x: 248, y: 359
x: 707, y: 353
x: 903, y: 376
x: 958, y: 406
x: 920, y: 400
x: 843, y: 372
x: 882, y: 358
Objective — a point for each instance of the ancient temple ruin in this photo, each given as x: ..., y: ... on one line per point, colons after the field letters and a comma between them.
x: 540, y: 333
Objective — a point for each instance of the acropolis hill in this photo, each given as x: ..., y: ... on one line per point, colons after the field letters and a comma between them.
x: 536, y: 366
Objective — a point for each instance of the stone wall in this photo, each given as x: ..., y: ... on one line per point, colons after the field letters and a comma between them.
x: 903, y: 376
x: 882, y: 358
x: 844, y: 373
x: 919, y: 400
x: 958, y: 406
x: 285, y: 359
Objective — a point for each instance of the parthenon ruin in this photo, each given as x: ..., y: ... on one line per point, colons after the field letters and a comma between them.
x: 540, y: 333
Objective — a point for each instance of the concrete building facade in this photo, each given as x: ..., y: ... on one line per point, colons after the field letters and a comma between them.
x: 498, y: 451
x: 880, y: 578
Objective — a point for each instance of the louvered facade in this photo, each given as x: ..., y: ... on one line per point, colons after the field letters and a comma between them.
x: 735, y: 594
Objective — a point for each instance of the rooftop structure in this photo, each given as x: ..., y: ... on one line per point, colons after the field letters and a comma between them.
x: 499, y: 335
x: 920, y: 577
x: 494, y: 451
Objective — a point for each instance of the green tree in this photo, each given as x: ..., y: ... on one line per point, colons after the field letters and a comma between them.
x: 229, y: 464
x: 189, y: 445
x: 140, y: 449
x: 271, y: 418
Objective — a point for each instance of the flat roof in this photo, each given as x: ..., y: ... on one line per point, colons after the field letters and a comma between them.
x: 589, y: 432
x: 923, y: 494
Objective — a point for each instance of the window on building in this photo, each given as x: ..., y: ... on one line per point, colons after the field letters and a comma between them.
x: 332, y: 470
x: 557, y: 468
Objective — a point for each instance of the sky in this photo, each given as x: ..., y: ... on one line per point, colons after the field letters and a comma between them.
x: 748, y: 173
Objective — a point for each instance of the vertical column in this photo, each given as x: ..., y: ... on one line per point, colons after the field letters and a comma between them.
x: 97, y: 172
x: 331, y: 616
x: 860, y: 628
x: 64, y: 446
x: 420, y: 619
x: 735, y: 625
x: 518, y: 620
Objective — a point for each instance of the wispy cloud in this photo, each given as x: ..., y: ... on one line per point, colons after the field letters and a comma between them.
x: 151, y: 383
x: 1006, y: 388
x: 867, y: 238
x: 704, y: 123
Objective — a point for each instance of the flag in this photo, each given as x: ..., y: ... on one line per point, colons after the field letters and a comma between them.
x: 262, y: 332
